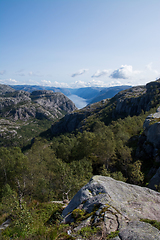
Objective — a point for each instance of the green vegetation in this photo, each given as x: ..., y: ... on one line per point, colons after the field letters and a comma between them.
x: 154, y: 223
x: 25, y: 132
x: 55, y: 168
x: 87, y: 232
x: 112, y: 235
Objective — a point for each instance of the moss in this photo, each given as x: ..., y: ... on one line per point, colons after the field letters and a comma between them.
x: 154, y: 223
x: 112, y: 235
x: 88, y: 231
x: 80, y: 214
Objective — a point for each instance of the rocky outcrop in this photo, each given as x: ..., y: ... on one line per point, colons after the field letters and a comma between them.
x: 152, y: 128
x: 148, y: 147
x: 132, y: 101
x: 40, y: 104
x: 5, y: 89
x: 50, y: 100
x: 19, y: 109
x: 119, y: 206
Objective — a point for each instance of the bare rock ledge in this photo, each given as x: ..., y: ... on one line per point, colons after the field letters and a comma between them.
x: 120, y: 207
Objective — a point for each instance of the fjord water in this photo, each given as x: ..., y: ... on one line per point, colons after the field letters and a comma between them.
x: 78, y: 101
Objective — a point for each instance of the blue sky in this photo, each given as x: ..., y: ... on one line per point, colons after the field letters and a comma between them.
x: 77, y: 43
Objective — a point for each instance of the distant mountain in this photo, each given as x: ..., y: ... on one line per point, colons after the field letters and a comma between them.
x: 85, y: 95
x: 108, y: 93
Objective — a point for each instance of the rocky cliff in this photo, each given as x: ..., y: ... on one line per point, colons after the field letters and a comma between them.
x: 40, y: 104
x: 19, y: 108
x: 149, y: 144
x: 132, y: 101
x: 114, y: 206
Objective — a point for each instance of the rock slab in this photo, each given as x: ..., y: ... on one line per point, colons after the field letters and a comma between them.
x: 120, y: 206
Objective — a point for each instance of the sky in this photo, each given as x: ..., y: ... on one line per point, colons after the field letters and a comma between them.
x: 79, y: 43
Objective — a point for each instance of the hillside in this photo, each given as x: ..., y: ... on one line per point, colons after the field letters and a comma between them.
x: 20, y: 110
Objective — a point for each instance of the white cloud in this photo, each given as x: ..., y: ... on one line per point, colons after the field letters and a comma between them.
x: 60, y: 85
x: 53, y: 84
x: 96, y: 83
x: 92, y: 83
x: 2, y: 72
x: 8, y: 81
x: 46, y: 82
x: 80, y: 72
x: 100, y: 73
x: 78, y: 84
x: 115, y: 83
x: 124, y: 72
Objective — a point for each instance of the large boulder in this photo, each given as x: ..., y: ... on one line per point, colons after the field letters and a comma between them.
x: 118, y: 205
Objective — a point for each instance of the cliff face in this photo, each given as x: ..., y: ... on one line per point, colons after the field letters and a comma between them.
x: 132, y: 101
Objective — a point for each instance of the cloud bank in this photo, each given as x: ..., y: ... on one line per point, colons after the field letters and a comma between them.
x: 80, y: 72
x: 92, y: 83
x: 8, y: 81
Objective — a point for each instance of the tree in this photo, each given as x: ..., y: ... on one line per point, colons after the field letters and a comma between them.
x: 14, y: 170
x: 104, y: 147
x: 135, y: 174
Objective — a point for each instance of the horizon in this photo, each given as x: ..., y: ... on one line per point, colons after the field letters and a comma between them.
x: 76, y: 44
